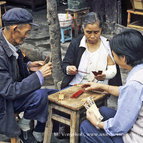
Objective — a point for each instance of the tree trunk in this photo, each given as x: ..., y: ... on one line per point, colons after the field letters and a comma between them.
x: 54, y: 32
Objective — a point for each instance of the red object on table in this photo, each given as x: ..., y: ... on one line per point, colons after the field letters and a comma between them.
x: 75, y: 95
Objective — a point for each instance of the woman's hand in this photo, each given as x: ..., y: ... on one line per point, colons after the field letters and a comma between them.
x: 46, y: 70
x: 100, y: 77
x: 35, y: 66
x: 72, y: 70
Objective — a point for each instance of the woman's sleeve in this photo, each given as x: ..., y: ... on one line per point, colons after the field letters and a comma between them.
x: 69, y: 56
x: 129, y: 105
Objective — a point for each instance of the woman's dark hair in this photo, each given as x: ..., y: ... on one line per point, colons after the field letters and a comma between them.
x: 129, y: 44
x: 91, y: 18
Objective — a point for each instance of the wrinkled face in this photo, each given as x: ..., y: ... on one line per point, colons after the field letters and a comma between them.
x: 20, y: 33
x: 92, y: 33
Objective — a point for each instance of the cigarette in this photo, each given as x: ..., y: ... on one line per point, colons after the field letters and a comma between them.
x: 48, y: 57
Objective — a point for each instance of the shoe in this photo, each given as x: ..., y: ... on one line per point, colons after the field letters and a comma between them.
x: 24, y: 124
x: 38, y: 136
x: 27, y: 137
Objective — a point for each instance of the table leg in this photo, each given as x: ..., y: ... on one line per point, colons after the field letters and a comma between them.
x: 13, y: 140
x: 77, y: 128
x: 74, y: 127
x: 49, y: 126
x: 129, y: 18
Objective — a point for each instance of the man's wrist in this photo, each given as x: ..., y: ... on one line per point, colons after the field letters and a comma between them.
x: 97, y: 124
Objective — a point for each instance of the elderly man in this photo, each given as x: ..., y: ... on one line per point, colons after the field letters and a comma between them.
x: 19, y: 87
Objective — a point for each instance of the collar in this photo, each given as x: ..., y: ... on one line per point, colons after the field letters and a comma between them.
x: 83, y: 42
x: 13, y: 49
x: 4, y: 44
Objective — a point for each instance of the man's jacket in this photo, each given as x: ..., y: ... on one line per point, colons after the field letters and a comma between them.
x: 12, y: 87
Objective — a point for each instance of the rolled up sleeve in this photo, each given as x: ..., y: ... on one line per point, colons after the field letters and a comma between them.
x: 129, y: 105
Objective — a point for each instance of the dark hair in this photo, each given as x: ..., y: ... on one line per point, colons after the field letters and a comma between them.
x: 91, y: 18
x: 129, y: 44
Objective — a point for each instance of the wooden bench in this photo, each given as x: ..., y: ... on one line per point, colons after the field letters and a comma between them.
x: 135, y: 24
x: 77, y: 14
x: 73, y: 107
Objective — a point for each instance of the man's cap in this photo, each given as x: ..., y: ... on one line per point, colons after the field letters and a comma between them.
x: 17, y: 16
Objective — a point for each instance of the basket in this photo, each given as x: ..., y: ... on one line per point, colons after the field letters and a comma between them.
x: 65, y: 19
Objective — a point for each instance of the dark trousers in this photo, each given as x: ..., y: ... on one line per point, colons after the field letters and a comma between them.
x: 34, y: 106
x: 89, y: 133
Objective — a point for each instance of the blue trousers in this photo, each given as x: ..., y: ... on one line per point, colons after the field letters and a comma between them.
x: 34, y: 105
x: 89, y: 133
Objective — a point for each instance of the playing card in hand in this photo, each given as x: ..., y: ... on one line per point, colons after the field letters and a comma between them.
x: 89, y: 104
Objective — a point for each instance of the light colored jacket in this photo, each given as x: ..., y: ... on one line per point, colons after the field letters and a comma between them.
x: 135, y: 135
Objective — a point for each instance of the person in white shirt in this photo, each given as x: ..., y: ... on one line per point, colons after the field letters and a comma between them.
x: 87, y: 54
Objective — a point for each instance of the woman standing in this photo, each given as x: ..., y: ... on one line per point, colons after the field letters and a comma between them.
x: 126, y: 124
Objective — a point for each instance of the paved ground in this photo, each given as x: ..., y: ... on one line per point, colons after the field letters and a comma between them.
x: 40, y: 18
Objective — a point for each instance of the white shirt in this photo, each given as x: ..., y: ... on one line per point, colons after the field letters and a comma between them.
x: 14, y: 49
x: 92, y: 62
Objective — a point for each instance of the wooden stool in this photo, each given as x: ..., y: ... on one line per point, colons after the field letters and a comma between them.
x: 73, y: 107
x: 13, y: 140
x: 2, y: 3
x: 134, y: 24
x: 77, y: 13
x: 66, y: 33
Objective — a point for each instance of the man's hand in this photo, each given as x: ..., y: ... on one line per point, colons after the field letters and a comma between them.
x: 72, y: 70
x: 46, y: 70
x: 91, y: 117
x: 35, y: 66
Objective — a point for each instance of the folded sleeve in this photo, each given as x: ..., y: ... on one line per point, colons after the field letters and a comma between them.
x: 129, y: 105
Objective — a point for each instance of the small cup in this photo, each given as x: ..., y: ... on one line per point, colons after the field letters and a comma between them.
x: 61, y: 96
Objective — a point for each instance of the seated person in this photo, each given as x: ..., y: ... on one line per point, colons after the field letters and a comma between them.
x: 125, y: 124
x: 19, y: 90
x: 88, y: 53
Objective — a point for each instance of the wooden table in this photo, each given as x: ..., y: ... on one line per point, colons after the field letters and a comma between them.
x: 72, y: 107
x: 77, y: 13
x: 134, y: 24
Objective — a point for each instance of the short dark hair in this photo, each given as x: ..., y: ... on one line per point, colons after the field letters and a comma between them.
x: 91, y: 18
x: 129, y: 43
